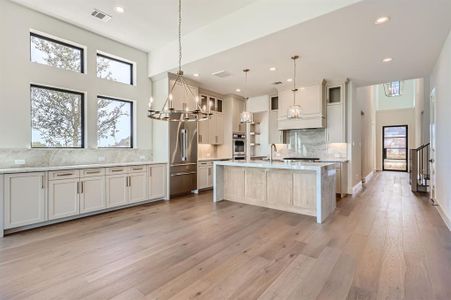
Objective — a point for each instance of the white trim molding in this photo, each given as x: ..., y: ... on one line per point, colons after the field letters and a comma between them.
x: 445, y: 218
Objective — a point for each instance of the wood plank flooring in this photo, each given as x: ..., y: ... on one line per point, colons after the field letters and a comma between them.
x: 385, y: 243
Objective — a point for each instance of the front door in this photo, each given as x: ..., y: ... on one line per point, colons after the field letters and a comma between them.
x: 395, y: 143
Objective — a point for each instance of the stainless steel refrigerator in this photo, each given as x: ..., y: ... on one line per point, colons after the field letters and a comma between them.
x: 183, y: 157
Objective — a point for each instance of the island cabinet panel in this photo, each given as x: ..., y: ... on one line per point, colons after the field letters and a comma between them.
x: 279, y: 189
x: 304, y: 192
x: 234, y: 184
x: 255, y: 186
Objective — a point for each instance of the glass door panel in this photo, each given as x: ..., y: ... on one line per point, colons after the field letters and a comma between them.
x: 395, y: 148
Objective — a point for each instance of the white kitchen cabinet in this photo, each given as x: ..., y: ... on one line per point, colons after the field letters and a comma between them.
x: 92, y: 195
x: 335, y: 124
x: 64, y: 198
x: 312, y: 100
x: 24, y: 199
x: 137, y: 186
x: 203, y: 132
x: 336, y: 113
x: 157, y: 181
x: 275, y: 135
x: 216, y: 129
x: 117, y: 191
x: 341, y: 178
x: 205, y: 175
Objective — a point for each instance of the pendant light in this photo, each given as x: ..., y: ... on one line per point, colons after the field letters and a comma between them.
x: 168, y: 113
x: 294, y: 111
x: 246, y: 116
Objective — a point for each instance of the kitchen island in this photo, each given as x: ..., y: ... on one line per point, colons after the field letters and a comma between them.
x: 303, y: 188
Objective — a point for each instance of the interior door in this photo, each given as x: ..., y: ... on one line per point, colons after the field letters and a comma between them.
x: 433, y: 142
x: 395, y: 148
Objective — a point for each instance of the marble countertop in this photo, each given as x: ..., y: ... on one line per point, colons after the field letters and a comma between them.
x: 76, y: 167
x: 214, y: 158
x: 314, y: 166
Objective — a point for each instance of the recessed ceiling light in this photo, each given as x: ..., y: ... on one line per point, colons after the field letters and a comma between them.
x: 119, y: 9
x: 196, y: 74
x: 387, y: 59
x: 289, y: 79
x: 382, y: 20
x: 238, y: 90
x: 272, y: 69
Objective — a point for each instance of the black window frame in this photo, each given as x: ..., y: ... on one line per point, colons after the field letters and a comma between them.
x: 53, y: 40
x: 82, y: 116
x: 132, y: 69
x: 132, y: 121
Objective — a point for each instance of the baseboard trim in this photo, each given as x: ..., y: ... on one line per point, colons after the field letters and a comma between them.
x: 444, y: 216
x: 357, y: 188
x: 369, y: 176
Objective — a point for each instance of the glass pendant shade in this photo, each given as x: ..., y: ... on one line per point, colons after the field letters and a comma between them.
x: 294, y: 112
x: 246, y: 117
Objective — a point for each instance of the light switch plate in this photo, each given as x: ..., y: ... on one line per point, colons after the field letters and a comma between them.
x: 19, y: 161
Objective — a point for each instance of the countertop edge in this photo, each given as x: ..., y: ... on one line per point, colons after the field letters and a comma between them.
x: 295, y: 166
x: 76, y: 167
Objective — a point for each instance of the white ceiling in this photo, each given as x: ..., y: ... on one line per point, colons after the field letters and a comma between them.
x: 342, y: 44
x: 146, y: 24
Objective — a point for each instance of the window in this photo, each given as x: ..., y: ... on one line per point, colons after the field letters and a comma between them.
x: 114, y: 123
x: 57, y: 118
x: 392, y: 89
x: 57, y: 54
x: 114, y: 69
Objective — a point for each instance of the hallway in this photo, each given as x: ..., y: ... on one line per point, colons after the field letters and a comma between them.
x: 386, y: 243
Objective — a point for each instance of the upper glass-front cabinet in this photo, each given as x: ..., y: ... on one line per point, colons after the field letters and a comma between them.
x: 334, y: 94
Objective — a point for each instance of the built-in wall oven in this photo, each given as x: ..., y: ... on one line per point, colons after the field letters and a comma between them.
x: 239, y: 145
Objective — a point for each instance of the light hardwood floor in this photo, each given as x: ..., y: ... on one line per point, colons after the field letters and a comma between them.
x: 386, y: 243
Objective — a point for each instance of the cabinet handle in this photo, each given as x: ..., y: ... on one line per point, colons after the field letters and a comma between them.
x: 78, y: 188
x: 117, y: 170
x: 92, y: 172
x: 209, y: 171
x: 126, y: 181
x: 82, y: 184
x: 64, y: 174
x: 150, y: 171
x: 42, y: 182
x: 129, y: 181
x: 137, y: 169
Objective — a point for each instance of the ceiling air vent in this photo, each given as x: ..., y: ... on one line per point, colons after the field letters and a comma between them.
x: 104, y: 17
x: 221, y: 74
x: 277, y: 82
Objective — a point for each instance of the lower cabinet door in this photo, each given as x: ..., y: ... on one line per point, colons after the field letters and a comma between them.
x: 157, y: 181
x: 64, y: 200
x: 202, y: 178
x: 138, y: 187
x: 25, y: 199
x: 280, y: 188
x: 117, y: 191
x: 92, y: 195
x: 209, y: 177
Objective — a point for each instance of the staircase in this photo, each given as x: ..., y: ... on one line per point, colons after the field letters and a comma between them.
x: 419, y: 168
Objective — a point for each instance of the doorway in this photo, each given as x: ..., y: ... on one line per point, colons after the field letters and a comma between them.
x: 395, y: 148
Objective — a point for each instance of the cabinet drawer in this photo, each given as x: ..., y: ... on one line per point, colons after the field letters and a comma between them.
x: 205, y: 164
x: 55, y: 175
x: 92, y: 172
x: 137, y: 169
x: 117, y: 170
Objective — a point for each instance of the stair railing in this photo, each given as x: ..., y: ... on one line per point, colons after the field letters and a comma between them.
x: 419, y: 168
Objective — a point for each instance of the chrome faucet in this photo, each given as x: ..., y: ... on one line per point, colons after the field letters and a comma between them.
x: 271, y: 151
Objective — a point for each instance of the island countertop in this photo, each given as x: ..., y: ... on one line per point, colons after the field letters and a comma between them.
x: 313, y: 166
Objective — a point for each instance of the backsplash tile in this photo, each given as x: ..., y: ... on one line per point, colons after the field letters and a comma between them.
x: 61, y: 157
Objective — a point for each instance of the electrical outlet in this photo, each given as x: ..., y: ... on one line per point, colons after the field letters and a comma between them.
x: 19, y: 161
x: 142, y: 157
x: 101, y: 158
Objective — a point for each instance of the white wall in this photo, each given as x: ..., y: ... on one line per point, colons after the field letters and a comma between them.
x: 366, y: 97
x: 440, y: 80
x: 406, y: 100
x: 17, y: 72
x: 354, y: 137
